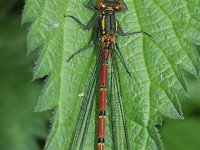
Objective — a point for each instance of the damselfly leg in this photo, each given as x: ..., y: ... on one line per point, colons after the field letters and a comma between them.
x: 122, y: 33
x: 86, y: 27
x: 119, y: 53
x: 91, y: 6
x: 79, y: 51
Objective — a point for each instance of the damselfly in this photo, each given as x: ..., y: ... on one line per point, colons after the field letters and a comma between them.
x: 108, y: 29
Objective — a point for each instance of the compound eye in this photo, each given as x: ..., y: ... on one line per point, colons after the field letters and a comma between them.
x: 101, y: 5
x: 119, y: 6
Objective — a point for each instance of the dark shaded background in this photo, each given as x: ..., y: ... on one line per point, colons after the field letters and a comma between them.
x: 21, y: 129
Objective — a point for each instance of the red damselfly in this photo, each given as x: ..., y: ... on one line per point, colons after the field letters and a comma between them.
x: 107, y: 29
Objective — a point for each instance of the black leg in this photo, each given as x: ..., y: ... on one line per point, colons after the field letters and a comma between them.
x: 86, y: 27
x: 121, y: 32
x: 95, y: 40
x: 79, y: 51
x: 125, y: 7
x: 122, y: 59
x: 89, y: 5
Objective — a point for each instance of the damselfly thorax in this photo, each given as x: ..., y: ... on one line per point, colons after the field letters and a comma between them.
x: 108, y: 41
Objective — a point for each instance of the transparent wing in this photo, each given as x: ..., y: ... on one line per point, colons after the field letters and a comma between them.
x: 115, y: 103
x: 83, y: 120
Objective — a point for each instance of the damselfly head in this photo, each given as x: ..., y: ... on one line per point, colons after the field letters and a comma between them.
x: 101, y: 5
x: 117, y: 5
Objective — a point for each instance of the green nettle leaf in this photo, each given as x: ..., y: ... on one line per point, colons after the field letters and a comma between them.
x: 156, y: 64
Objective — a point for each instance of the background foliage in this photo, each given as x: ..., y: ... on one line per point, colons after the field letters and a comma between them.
x: 20, y: 126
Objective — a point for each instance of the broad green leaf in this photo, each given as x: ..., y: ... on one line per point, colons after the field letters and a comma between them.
x: 20, y: 128
x: 183, y: 134
x: 156, y: 64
